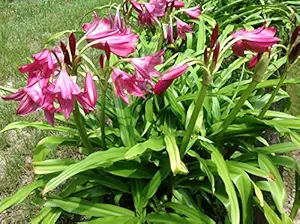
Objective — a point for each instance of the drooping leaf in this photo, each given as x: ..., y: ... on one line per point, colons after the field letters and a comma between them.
x: 20, y: 195
x: 275, y: 181
x: 84, y: 207
x: 223, y: 172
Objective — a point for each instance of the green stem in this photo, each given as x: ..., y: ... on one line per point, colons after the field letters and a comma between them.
x: 102, y: 116
x: 274, y: 93
x: 81, y: 129
x: 296, y: 204
x: 192, y: 122
x: 237, y: 107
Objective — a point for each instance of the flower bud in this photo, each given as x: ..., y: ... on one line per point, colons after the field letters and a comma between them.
x: 216, y: 53
x: 214, y: 36
x: 107, y: 51
x: 72, y: 44
x: 65, y: 53
x: 101, y: 61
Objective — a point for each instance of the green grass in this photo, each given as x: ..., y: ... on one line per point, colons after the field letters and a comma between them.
x: 24, y: 28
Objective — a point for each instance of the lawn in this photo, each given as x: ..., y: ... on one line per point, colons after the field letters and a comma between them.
x: 25, y: 27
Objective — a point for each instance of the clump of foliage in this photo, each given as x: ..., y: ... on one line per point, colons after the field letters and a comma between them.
x: 181, y: 130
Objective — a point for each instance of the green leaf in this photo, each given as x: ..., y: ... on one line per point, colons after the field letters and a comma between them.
x: 125, y: 122
x: 52, y: 165
x: 223, y: 172
x: 149, y: 115
x: 49, y: 144
x: 275, y: 181
x: 168, y: 218
x: 269, y: 213
x: 177, y: 166
x: 132, y: 169
x: 114, y: 220
x: 154, y: 184
x: 52, y: 216
x: 84, y: 207
x: 39, y: 125
x: 201, y: 37
x: 20, y: 195
x: 248, y: 168
x: 189, y: 212
x: 42, y: 214
x: 58, y: 35
x: 204, y: 168
x: 155, y: 144
x: 225, y: 76
x: 94, y: 160
x: 277, y: 148
x: 243, y: 183
x: 175, y: 106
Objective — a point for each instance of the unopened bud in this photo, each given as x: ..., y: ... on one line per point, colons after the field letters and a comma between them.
x: 65, y: 53
x: 72, y: 44
x: 101, y: 61
x: 216, y: 53
x: 107, y: 51
x: 214, y: 36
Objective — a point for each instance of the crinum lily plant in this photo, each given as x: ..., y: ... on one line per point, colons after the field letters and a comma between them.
x: 170, y: 109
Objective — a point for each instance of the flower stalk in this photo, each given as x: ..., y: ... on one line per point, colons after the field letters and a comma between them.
x: 81, y: 129
x: 259, y: 72
x: 207, y: 79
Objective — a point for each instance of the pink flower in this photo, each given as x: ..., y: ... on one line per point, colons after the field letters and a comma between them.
x: 30, y: 98
x: 67, y: 91
x: 194, y: 12
x: 183, y: 28
x: 102, y: 32
x: 88, y: 98
x: 148, y: 13
x: 258, y: 40
x: 43, y: 66
x: 125, y: 83
x: 166, y: 80
x: 145, y: 66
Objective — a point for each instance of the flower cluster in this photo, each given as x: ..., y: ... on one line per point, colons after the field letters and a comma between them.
x: 149, y: 13
x: 51, y: 88
x: 111, y: 35
x: 144, y: 71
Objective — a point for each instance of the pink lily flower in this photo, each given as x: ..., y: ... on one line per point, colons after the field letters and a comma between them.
x: 145, y: 66
x: 258, y: 40
x: 30, y: 98
x: 125, y: 83
x: 183, y: 28
x: 43, y: 66
x: 88, y: 98
x: 194, y: 12
x: 166, y: 80
x: 102, y: 32
x: 150, y: 12
x: 67, y: 91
